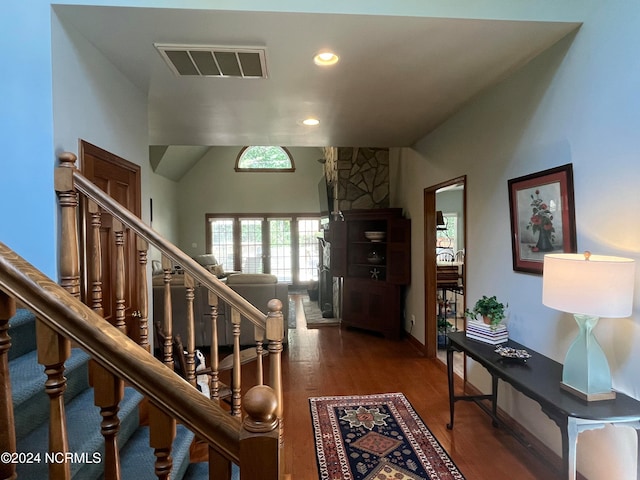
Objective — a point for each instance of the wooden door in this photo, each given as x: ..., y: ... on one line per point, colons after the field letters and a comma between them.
x: 121, y: 180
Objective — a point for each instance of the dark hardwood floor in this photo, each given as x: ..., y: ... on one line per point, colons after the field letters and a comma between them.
x: 333, y: 361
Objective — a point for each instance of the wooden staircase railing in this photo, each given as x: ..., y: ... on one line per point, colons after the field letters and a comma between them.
x: 117, y: 359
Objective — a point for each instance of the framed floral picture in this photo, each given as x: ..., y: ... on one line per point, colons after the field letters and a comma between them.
x: 542, y: 217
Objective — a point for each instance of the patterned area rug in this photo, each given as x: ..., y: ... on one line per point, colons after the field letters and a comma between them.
x: 376, y: 437
x: 313, y: 315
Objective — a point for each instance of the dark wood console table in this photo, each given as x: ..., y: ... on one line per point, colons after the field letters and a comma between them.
x: 539, y: 379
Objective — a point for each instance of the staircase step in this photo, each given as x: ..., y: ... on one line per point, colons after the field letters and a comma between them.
x: 200, y: 471
x: 83, y: 423
x: 22, y: 330
x: 30, y: 402
x: 137, y: 458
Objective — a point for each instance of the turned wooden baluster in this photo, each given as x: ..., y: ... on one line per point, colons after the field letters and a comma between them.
x: 219, y: 466
x: 95, y: 260
x: 53, y: 352
x: 237, y: 368
x: 275, y: 334
x: 120, y: 280
x: 162, y: 432
x: 162, y: 428
x: 143, y: 295
x: 214, y: 379
x: 108, y: 393
x: 167, y: 320
x: 8, y: 433
x: 108, y: 390
x: 258, y: 334
x: 190, y: 358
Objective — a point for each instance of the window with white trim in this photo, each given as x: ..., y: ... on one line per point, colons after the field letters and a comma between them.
x: 264, y: 159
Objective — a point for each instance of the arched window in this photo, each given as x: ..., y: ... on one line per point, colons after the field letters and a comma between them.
x: 264, y: 159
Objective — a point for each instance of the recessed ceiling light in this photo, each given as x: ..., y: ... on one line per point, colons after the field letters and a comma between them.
x: 326, y: 58
x: 311, y: 121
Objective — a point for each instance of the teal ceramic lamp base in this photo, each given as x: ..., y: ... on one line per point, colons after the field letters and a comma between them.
x: 586, y: 371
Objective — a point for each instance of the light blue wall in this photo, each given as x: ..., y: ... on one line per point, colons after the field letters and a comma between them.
x: 577, y: 103
x: 27, y: 135
x: 213, y: 186
x: 26, y: 182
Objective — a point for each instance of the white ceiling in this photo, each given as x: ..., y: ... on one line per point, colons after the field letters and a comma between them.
x: 398, y: 77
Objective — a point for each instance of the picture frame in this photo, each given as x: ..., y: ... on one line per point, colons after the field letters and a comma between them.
x: 542, y: 215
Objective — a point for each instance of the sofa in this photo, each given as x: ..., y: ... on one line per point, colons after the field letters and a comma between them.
x: 256, y: 288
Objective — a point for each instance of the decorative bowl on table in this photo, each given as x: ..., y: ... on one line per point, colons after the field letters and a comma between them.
x: 375, y: 236
x: 511, y: 353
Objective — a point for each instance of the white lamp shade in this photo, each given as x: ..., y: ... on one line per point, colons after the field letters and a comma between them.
x: 601, y: 286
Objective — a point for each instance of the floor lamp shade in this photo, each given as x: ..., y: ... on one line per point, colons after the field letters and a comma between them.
x: 589, y: 286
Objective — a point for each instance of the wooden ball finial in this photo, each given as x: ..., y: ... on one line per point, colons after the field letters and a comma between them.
x: 260, y: 403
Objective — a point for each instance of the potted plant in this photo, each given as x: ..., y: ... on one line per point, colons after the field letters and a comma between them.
x: 444, y: 326
x: 490, y: 309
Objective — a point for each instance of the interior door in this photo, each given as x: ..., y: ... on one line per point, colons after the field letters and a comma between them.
x: 430, y: 243
x: 120, y: 179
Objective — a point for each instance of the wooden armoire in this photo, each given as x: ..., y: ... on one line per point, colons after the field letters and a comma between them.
x: 373, y: 271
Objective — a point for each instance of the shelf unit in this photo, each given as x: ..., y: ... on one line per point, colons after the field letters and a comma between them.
x: 373, y: 272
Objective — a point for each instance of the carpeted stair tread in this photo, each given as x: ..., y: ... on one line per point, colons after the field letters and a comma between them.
x: 22, y: 330
x: 137, y: 459
x: 30, y: 402
x: 200, y: 471
x: 83, y: 424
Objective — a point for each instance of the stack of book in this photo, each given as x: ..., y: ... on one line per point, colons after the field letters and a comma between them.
x: 478, y: 330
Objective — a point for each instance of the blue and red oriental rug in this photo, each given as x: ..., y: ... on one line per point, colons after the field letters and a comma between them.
x: 376, y: 437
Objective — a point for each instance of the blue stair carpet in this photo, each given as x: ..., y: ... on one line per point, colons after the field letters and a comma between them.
x: 31, y: 410
x: 83, y: 424
x: 30, y: 402
x: 22, y: 330
x: 137, y: 457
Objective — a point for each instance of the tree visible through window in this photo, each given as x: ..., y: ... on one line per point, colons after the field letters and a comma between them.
x: 264, y: 159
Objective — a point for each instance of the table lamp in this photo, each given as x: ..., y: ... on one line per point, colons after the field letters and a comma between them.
x: 589, y: 286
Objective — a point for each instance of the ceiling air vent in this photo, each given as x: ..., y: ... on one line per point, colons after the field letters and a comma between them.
x: 211, y: 61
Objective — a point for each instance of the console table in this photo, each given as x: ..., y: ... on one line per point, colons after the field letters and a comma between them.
x: 539, y: 379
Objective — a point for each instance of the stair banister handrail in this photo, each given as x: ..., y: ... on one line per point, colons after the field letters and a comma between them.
x: 119, y: 354
x: 206, y: 278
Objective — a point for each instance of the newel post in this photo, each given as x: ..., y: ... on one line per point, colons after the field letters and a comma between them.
x: 68, y: 200
x: 260, y: 435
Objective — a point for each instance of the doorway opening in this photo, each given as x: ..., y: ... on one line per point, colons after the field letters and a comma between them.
x: 445, y: 266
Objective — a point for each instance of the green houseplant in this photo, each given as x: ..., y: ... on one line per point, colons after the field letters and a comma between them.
x: 490, y: 309
x: 444, y: 326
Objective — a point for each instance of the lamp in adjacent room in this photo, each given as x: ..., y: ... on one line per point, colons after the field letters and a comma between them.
x: 440, y: 223
x: 589, y: 286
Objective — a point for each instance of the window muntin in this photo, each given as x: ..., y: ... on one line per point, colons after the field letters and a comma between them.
x: 308, y: 249
x: 284, y: 245
x: 262, y: 158
x: 447, y: 238
x: 222, y: 241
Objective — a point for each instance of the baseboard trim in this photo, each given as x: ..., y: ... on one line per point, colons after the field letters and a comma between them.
x: 414, y: 342
x: 526, y: 438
